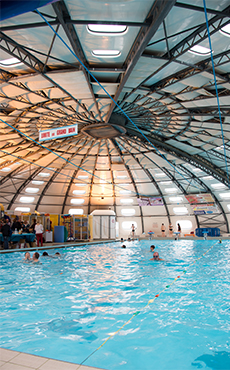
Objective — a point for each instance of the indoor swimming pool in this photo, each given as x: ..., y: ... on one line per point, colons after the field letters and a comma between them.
x: 113, y: 308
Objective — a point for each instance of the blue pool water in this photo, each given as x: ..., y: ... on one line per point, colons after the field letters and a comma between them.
x: 66, y: 308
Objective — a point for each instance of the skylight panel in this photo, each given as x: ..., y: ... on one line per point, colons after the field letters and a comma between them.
x: 200, y: 50
x: 106, y: 53
x: 107, y: 29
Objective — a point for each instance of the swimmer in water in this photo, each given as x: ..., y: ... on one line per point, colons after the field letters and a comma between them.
x: 27, y: 257
x: 36, y: 257
x: 156, y: 257
x: 123, y: 246
x: 152, y: 247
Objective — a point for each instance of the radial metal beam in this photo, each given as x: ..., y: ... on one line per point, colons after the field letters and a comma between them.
x: 157, y: 13
x: 195, y: 160
x: 111, y: 174
x: 16, y: 50
x: 75, y: 174
x: 200, y: 34
x: 131, y: 178
x: 26, y: 182
x: 184, y: 192
x: 63, y: 16
x: 147, y: 172
x: 92, y: 179
x: 201, y: 9
x: 72, y: 21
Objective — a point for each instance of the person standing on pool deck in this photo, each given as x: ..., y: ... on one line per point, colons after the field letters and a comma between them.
x: 39, y: 231
x: 170, y: 229
x: 163, y: 230
x: 6, y: 234
x: 178, y: 228
x: 133, y: 230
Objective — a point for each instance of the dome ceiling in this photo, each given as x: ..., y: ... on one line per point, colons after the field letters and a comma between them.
x: 147, y: 110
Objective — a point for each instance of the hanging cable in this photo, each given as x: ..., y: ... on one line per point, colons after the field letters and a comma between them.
x: 217, y: 95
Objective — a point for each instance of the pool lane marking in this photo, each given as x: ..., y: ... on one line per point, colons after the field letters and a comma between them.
x: 149, y: 302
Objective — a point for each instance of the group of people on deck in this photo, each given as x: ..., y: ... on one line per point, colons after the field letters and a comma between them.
x: 163, y: 229
x: 7, y: 228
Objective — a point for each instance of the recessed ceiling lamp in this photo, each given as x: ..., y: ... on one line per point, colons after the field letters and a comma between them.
x: 225, y: 30
x: 37, y: 182
x: 126, y: 201
x: 176, y: 199
x: 77, y: 201
x: 26, y: 199
x: 171, y: 190
x: 9, y: 63
x: 218, y: 186
x: 76, y: 211
x: 6, y: 169
x: 199, y: 50
x: 125, y: 191
x: 44, y: 174
x: 107, y: 29
x: 106, y: 53
x: 22, y: 209
x: 208, y: 178
x: 83, y: 177
x: 79, y: 192
x: 32, y: 190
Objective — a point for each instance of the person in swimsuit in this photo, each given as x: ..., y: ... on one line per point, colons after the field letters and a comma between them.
x: 163, y: 230
x: 170, y: 229
x: 156, y: 257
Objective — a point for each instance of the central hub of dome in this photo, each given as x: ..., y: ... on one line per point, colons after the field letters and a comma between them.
x: 106, y: 131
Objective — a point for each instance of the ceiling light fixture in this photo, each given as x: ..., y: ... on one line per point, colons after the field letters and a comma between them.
x: 106, y: 53
x: 106, y: 29
x: 11, y: 62
x: 225, y: 30
x: 199, y: 50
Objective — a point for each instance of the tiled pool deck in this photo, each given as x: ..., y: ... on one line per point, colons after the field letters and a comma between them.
x: 13, y: 360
